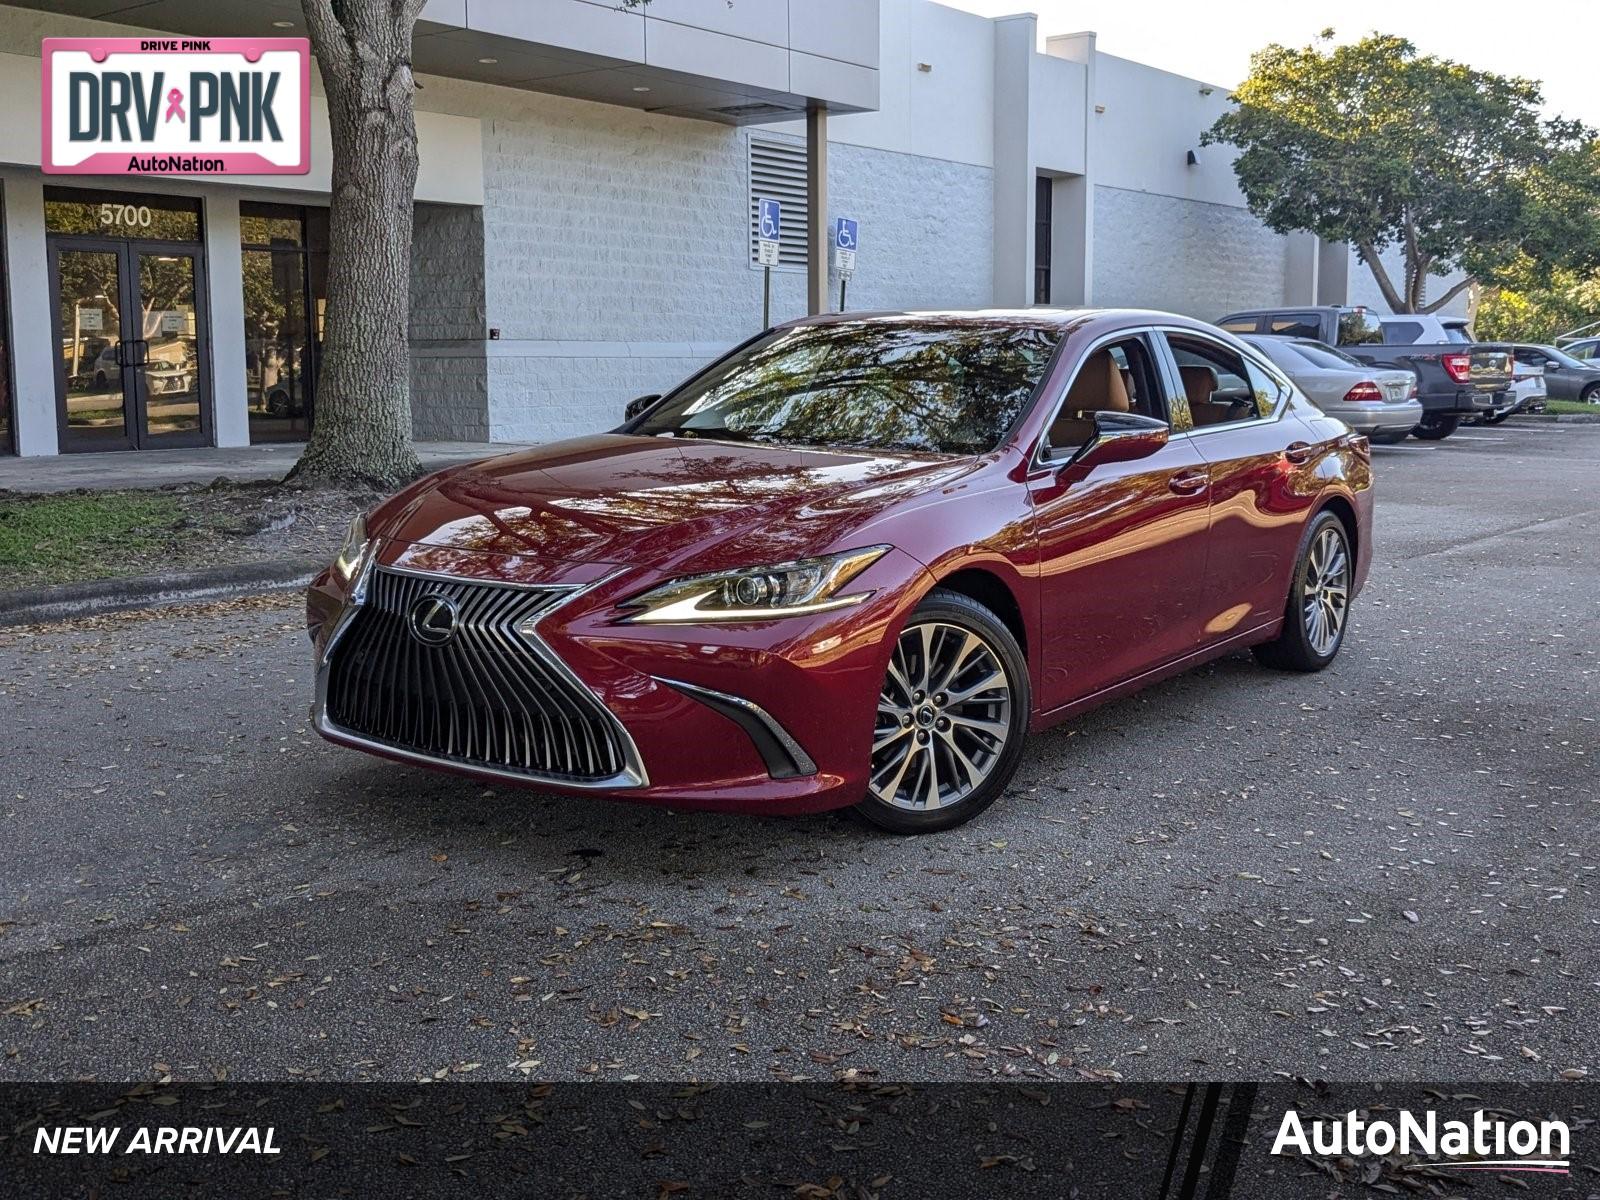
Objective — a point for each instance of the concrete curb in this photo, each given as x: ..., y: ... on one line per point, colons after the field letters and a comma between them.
x: 33, y: 606
x: 1556, y: 418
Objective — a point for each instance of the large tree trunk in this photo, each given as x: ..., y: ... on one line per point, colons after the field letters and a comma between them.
x: 363, y: 417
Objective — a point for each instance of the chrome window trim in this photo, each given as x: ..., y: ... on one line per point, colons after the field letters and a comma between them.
x: 633, y: 774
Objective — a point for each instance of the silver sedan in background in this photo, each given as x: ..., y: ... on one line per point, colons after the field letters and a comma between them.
x: 1377, y: 401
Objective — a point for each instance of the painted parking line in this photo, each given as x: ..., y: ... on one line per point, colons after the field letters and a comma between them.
x: 1470, y: 437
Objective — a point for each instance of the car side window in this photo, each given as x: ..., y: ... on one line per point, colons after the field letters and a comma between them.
x: 1402, y: 333
x: 1267, y: 390
x: 1118, y: 377
x: 1220, y: 385
x: 1300, y: 325
x: 1240, y: 325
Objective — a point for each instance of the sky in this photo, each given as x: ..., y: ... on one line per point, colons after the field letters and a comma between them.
x: 1554, y: 41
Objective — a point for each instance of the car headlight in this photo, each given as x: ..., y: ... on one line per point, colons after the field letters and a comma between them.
x: 791, y: 589
x: 350, y: 554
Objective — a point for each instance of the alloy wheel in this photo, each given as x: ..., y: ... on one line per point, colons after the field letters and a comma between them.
x: 1326, y: 598
x: 944, y: 717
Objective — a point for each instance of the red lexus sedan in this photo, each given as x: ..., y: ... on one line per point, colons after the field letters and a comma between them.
x: 853, y: 562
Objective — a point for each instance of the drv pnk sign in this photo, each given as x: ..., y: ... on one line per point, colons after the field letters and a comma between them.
x: 176, y: 106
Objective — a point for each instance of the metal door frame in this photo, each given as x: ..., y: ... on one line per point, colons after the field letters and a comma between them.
x: 135, y: 401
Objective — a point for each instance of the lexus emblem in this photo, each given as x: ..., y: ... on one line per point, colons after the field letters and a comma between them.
x: 433, y: 620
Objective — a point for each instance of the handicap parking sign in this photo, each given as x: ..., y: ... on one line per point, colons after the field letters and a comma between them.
x: 845, y: 235
x: 770, y: 222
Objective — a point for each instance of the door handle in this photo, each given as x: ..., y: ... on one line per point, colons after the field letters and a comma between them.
x: 1299, y: 452
x: 1186, y: 483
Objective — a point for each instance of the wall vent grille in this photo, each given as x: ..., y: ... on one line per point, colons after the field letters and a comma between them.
x: 778, y: 170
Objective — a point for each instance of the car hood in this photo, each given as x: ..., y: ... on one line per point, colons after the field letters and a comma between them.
x: 667, y: 503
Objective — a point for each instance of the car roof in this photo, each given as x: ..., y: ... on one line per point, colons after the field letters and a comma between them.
x: 1067, y: 320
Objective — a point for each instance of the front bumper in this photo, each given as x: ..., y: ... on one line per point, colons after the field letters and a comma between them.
x: 771, y: 717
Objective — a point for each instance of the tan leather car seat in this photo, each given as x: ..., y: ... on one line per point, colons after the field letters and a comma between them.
x: 1097, y: 388
x: 1199, y: 383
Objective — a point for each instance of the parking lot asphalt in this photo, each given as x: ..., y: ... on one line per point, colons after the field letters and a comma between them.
x: 1387, y: 870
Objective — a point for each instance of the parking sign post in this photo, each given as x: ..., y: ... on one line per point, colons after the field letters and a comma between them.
x: 846, y: 237
x: 769, y: 229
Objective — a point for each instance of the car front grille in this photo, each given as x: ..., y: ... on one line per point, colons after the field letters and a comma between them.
x: 490, y: 696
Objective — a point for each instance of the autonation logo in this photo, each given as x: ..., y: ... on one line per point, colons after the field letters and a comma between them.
x: 1484, y: 1143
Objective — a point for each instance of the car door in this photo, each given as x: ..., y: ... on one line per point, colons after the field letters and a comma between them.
x: 1253, y: 447
x: 1119, y: 550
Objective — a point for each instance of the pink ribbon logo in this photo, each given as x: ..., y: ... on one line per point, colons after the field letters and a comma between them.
x: 175, y: 105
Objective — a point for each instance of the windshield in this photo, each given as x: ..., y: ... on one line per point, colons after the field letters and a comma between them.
x: 1320, y: 354
x: 949, y: 386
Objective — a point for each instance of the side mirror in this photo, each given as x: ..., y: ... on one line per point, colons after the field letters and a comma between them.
x: 639, y: 405
x: 1118, y: 437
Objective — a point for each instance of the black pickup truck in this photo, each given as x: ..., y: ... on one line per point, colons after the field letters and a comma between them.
x: 1455, y: 380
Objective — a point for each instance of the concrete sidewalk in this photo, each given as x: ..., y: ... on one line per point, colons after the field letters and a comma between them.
x: 159, y: 468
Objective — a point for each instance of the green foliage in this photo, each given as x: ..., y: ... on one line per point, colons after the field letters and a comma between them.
x: 1537, y: 306
x: 52, y: 538
x: 1377, y: 145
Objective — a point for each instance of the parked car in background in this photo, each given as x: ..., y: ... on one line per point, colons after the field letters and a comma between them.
x: 1455, y: 379
x: 1527, y: 390
x: 1585, y: 349
x: 1565, y: 376
x: 1382, y: 404
x: 1414, y: 329
x: 853, y: 562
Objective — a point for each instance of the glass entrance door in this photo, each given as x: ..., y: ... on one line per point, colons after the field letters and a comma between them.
x: 167, y: 376
x: 130, y: 323
x: 91, y: 391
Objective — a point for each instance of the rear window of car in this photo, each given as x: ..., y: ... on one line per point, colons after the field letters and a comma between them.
x: 1319, y: 354
x: 1240, y: 324
x: 1358, y: 327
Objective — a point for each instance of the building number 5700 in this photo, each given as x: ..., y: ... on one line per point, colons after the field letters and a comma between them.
x: 125, y: 214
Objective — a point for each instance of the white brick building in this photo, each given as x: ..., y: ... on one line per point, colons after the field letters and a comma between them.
x: 584, y: 220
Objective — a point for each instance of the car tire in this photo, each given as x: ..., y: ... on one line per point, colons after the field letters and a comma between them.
x: 1590, y: 394
x: 939, y: 732
x: 1389, y: 437
x: 1436, y: 428
x: 1325, y: 560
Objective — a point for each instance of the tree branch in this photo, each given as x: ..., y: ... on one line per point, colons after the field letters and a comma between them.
x: 327, y: 36
x: 1455, y: 290
x: 1369, y: 255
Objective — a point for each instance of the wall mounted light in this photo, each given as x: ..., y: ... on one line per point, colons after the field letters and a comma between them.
x: 1193, y: 159
x: 1206, y: 89
x: 924, y: 67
